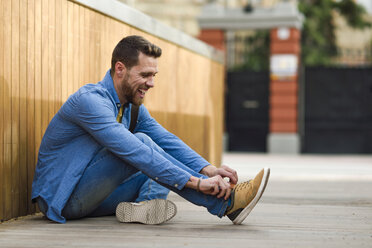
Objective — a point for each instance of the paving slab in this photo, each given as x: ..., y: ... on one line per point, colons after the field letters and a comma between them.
x: 310, y: 201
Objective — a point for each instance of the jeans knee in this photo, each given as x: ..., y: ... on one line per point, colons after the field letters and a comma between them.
x: 148, y: 141
x: 144, y: 138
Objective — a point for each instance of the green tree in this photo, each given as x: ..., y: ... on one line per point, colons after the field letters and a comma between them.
x: 318, y: 34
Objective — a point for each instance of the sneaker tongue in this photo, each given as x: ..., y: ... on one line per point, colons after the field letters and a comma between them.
x: 243, y: 185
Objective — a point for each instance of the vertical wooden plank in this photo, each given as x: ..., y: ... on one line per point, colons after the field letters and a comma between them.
x: 105, y: 36
x: 113, y: 39
x: 219, y: 109
x: 44, y: 65
x: 2, y: 107
x: 92, y: 44
x: 30, y: 99
x: 97, y: 47
x: 64, y: 69
x: 15, y: 108
x: 81, y: 60
x: 51, y: 58
x: 70, y: 26
x: 38, y: 100
x: 87, y: 42
x: 76, y: 54
x: 58, y: 67
x: 210, y: 125
x: 23, y: 198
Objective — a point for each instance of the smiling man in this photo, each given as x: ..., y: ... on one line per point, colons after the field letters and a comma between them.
x: 103, y: 153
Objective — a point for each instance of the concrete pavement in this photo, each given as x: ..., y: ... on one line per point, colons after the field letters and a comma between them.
x: 310, y: 201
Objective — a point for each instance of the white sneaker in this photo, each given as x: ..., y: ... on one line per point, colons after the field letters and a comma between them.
x: 151, y: 212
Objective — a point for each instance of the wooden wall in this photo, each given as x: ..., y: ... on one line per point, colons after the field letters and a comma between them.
x: 50, y: 48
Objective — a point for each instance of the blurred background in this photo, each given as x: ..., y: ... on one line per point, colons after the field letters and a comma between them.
x: 298, y: 73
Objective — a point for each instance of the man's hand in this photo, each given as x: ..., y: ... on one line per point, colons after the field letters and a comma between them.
x: 223, y: 171
x: 215, y: 186
x: 210, y: 186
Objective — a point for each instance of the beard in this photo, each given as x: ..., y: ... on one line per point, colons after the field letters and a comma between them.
x: 130, y: 92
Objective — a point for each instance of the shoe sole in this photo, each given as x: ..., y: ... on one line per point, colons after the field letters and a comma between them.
x: 245, y: 212
x: 151, y: 212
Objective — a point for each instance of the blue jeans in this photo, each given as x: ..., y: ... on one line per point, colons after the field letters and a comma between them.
x: 108, y: 180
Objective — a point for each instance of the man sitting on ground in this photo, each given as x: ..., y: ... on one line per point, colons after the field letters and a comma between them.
x: 103, y: 152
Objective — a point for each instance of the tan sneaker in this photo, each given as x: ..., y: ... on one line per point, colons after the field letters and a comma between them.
x: 246, y: 195
x: 151, y: 212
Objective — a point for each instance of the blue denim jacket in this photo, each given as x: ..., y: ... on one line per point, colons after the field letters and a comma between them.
x: 85, y: 124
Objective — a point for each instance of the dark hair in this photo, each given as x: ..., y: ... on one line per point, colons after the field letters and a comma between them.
x: 128, y: 49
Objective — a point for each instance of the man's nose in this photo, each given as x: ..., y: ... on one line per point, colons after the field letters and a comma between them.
x: 150, y: 82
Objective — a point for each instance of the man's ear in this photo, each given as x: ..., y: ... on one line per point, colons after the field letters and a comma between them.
x: 120, y: 69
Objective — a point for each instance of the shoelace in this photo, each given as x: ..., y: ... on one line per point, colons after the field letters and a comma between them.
x: 242, y: 185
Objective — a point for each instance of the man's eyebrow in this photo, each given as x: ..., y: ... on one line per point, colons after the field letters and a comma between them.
x: 148, y: 73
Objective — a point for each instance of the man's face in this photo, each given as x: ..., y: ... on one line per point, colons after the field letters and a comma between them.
x: 139, y: 79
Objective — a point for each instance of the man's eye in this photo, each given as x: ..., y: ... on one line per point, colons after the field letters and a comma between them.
x: 148, y: 75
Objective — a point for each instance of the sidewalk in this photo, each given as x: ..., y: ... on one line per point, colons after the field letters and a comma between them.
x: 310, y: 201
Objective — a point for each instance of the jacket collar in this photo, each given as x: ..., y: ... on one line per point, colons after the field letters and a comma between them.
x: 108, y: 83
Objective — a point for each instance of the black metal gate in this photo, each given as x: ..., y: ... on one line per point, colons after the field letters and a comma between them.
x: 338, y: 110
x: 247, y: 110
